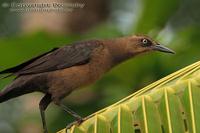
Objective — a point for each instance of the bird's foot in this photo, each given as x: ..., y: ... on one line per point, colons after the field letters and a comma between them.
x: 77, y: 122
x: 45, y: 131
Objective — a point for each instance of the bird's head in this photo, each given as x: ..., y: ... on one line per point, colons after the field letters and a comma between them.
x: 141, y: 44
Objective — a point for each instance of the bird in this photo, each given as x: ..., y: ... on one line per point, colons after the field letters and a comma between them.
x: 63, y: 70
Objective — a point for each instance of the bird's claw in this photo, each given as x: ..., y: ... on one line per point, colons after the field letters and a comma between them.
x: 77, y: 122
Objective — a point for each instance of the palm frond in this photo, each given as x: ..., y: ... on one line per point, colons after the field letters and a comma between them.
x: 170, y: 105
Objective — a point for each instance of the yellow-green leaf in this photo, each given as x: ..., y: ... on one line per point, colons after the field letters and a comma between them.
x: 170, y: 105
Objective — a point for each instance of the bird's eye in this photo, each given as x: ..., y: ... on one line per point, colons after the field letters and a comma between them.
x: 146, y: 42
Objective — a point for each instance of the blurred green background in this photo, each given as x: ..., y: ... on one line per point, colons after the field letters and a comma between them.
x: 23, y: 35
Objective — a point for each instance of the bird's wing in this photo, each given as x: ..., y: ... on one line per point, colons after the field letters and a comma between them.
x: 56, y: 59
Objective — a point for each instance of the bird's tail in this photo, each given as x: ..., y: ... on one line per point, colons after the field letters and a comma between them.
x: 2, y: 97
x: 7, y: 94
x: 12, y: 91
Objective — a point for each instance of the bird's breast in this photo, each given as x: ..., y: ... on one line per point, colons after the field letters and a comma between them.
x: 100, y: 63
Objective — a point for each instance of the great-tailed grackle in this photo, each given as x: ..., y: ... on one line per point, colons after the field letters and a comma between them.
x: 59, y: 72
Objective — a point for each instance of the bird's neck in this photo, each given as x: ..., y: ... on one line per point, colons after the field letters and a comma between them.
x: 118, y: 50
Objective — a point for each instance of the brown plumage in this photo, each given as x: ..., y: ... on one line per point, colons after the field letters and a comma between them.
x: 59, y: 72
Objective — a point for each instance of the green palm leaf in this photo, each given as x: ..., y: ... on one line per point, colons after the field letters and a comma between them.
x: 170, y: 105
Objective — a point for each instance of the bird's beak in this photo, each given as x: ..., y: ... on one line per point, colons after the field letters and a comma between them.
x: 162, y: 48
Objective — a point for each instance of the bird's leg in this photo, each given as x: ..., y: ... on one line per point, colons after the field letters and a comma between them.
x: 78, y: 118
x: 46, y: 100
x: 69, y: 111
